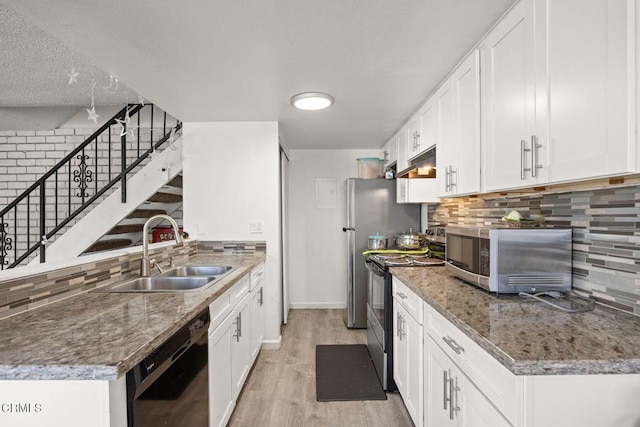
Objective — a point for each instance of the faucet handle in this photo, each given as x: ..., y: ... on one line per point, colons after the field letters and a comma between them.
x: 172, y: 263
x: 154, y: 263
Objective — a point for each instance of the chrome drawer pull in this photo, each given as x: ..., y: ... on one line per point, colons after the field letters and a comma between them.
x: 454, y: 389
x: 444, y: 391
x: 453, y: 344
x: 401, y: 295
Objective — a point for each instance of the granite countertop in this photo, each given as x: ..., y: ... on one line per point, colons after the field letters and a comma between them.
x: 528, y: 337
x: 100, y: 336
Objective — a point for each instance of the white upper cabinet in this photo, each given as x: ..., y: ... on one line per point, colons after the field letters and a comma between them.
x: 403, y: 154
x: 421, y: 130
x: 590, y: 68
x: 465, y: 161
x: 556, y: 100
x: 390, y: 152
x: 509, y: 104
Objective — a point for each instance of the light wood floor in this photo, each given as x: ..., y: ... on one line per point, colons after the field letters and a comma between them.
x: 281, y: 389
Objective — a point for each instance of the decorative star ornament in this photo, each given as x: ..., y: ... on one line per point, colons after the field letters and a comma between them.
x: 92, y: 114
x: 73, y: 76
x: 123, y: 127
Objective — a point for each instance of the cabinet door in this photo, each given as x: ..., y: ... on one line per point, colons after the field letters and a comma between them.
x: 438, y: 373
x: 390, y: 152
x: 589, y: 62
x: 414, y: 381
x: 413, y: 136
x: 240, y: 345
x: 465, y: 152
x: 475, y: 409
x: 446, y: 138
x: 403, y: 154
x: 221, y: 400
x: 508, y: 87
x: 427, y: 138
x: 257, y: 320
x: 400, y: 368
x: 451, y: 399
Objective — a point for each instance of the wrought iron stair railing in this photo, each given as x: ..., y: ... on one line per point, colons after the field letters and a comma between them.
x: 101, y: 163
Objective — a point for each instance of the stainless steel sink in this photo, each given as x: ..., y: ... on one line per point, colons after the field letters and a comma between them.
x: 197, y: 270
x: 160, y: 284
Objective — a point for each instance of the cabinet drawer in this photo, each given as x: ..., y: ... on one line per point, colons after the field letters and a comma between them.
x: 256, y: 275
x: 408, y: 299
x: 219, y: 309
x: 494, y: 380
x: 239, y: 290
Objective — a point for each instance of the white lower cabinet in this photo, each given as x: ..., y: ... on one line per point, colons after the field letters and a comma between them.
x: 235, y: 339
x: 451, y: 399
x: 407, y: 351
x: 240, y: 345
x: 221, y: 400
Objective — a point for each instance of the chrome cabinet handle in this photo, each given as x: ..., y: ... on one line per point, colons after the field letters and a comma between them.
x: 401, y: 295
x: 261, y: 297
x: 417, y: 140
x: 453, y: 344
x: 451, y: 181
x: 453, y: 397
x: 237, y: 323
x: 398, y: 326
x: 523, y: 159
x: 446, y: 179
x: 534, y: 156
x: 446, y: 387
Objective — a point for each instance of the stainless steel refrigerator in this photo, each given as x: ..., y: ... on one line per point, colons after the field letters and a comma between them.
x: 371, y: 208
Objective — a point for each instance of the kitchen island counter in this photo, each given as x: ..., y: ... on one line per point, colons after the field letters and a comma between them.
x: 100, y: 336
x: 527, y: 337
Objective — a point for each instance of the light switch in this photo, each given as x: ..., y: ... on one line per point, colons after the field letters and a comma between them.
x: 256, y: 227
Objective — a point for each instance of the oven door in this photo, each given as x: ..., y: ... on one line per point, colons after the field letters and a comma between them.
x: 375, y: 299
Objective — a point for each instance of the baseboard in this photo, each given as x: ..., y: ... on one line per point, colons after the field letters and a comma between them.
x: 272, y: 344
x: 317, y: 305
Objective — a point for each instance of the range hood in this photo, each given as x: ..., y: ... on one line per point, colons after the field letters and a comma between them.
x: 422, y: 166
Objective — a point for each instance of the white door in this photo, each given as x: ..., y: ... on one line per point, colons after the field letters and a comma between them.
x: 438, y: 373
x: 414, y: 381
x: 240, y: 345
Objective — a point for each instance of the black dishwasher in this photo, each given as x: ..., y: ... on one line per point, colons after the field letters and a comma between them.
x: 171, y: 386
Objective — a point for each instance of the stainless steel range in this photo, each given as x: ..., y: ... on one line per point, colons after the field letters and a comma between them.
x: 380, y: 301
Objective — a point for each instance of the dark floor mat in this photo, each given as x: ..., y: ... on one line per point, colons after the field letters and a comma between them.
x: 346, y: 372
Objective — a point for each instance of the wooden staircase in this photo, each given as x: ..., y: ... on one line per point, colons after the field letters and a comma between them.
x: 128, y: 232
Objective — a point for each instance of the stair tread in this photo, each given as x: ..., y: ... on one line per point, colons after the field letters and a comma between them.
x: 146, y: 213
x: 103, y: 245
x: 126, y: 228
x: 165, y: 198
x: 175, y: 182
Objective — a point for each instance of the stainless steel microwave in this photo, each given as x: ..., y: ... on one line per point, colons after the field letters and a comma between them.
x: 510, y: 260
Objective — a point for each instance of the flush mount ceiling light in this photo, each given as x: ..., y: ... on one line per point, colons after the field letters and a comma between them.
x: 311, y: 101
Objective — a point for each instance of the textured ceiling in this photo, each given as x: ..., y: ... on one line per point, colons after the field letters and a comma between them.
x: 223, y: 60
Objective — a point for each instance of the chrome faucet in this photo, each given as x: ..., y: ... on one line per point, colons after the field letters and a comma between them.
x: 145, y: 263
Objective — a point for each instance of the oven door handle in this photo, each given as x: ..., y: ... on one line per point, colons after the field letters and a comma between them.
x: 374, y: 268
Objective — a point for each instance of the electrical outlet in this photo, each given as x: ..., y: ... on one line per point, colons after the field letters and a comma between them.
x: 256, y: 227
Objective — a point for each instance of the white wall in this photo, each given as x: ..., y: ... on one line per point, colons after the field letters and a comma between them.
x: 317, y: 246
x: 231, y: 177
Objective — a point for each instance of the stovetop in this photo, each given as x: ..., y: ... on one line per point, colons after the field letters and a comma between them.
x: 405, y: 260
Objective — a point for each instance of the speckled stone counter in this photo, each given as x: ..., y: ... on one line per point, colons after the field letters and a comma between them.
x: 100, y: 336
x: 526, y: 336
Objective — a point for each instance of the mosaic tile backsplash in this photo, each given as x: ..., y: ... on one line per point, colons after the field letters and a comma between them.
x: 606, y: 234
x: 31, y: 291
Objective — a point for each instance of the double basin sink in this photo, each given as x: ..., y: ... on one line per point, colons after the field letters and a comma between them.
x: 178, y: 279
